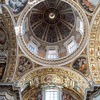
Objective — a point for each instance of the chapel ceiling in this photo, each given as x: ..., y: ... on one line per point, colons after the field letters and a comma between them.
x: 19, y: 62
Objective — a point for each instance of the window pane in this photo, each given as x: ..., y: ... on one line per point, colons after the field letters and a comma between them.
x: 72, y: 47
x: 52, y: 54
x: 51, y: 94
x: 32, y: 47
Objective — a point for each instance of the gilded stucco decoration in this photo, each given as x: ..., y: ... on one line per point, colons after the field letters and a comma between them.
x: 36, y: 94
x: 11, y: 45
x: 32, y: 94
x: 57, y: 76
x: 21, y: 69
x: 94, y: 48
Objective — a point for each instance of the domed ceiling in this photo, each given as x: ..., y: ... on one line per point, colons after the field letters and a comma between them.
x: 52, y: 32
x: 51, y: 21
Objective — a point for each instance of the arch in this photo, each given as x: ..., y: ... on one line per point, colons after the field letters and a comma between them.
x: 94, y: 48
x: 12, y: 43
x: 62, y: 76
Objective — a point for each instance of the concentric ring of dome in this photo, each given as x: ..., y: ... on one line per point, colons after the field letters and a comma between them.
x: 51, y: 21
x: 37, y: 40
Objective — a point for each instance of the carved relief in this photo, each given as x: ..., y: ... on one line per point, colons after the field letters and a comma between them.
x: 94, y: 48
x: 98, y: 52
x: 37, y: 94
x: 61, y: 77
x: 36, y: 81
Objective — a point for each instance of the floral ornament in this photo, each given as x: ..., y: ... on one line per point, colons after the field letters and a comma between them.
x: 17, y: 5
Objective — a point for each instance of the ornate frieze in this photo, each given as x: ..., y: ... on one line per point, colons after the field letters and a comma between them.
x: 57, y: 76
x: 94, y: 48
x: 11, y: 44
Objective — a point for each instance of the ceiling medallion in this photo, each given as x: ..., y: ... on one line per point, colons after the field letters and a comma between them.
x: 51, y: 16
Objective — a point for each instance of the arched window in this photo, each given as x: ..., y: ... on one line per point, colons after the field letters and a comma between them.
x: 52, y: 52
x: 80, y: 26
x: 72, y: 46
x: 32, y: 47
x: 52, y: 93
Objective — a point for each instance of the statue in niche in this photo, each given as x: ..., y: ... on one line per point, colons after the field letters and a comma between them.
x: 2, y: 68
x: 98, y: 52
x: 81, y: 65
x: 36, y: 81
x: 2, y: 37
x: 48, y: 78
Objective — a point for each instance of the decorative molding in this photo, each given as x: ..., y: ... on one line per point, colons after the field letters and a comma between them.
x: 61, y: 76
x: 94, y: 48
x: 12, y: 49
